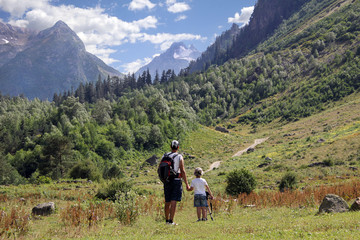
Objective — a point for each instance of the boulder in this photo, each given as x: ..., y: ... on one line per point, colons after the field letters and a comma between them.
x: 315, y: 164
x: 44, y: 209
x: 250, y: 150
x: 152, y: 161
x: 356, y: 205
x: 221, y: 129
x: 264, y: 164
x: 333, y: 204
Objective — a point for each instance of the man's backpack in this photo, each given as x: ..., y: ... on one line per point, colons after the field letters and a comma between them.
x: 166, y: 170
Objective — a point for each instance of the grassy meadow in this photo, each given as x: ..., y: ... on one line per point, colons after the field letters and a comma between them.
x: 264, y: 214
x: 275, y: 216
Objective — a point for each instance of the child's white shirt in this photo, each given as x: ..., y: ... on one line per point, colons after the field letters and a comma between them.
x: 199, y: 186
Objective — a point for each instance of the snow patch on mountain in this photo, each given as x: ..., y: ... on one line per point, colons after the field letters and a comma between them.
x: 184, y: 53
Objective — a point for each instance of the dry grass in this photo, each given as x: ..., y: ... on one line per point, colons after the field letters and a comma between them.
x: 14, y: 222
x: 80, y: 215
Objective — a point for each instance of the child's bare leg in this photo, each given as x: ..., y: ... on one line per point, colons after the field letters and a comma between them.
x: 198, y: 211
x: 204, y: 212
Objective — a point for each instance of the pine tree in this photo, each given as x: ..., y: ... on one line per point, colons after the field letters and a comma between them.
x: 163, y: 78
x: 156, y: 79
x: 148, y: 77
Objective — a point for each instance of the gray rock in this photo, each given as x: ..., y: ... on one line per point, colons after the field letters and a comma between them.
x: 264, y: 164
x: 288, y: 134
x: 221, y: 129
x: 333, y: 204
x: 152, y: 161
x: 315, y: 164
x: 44, y: 209
x: 250, y: 150
x: 356, y: 205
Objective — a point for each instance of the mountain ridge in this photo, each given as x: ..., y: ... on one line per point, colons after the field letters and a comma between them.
x: 238, y: 42
x: 52, y: 61
x: 176, y: 57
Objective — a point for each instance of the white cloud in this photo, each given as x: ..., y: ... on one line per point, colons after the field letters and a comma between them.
x: 102, y: 53
x: 165, y: 39
x: 178, y: 7
x: 242, y: 18
x: 96, y: 29
x: 180, y: 18
x: 170, y: 2
x: 17, y: 8
x: 136, y: 65
x: 140, y: 5
x: 100, y: 32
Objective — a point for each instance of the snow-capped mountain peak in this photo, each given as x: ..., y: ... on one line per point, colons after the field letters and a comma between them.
x: 177, y: 57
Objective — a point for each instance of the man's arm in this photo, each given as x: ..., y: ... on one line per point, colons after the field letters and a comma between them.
x: 183, y: 172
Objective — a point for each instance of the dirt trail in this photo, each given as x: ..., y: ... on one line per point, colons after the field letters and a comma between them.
x: 257, y: 142
x: 239, y: 153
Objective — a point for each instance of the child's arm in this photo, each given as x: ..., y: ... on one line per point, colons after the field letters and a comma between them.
x: 190, y: 187
x: 208, y: 189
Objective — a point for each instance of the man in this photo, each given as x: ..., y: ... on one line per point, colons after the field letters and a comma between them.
x: 173, y: 189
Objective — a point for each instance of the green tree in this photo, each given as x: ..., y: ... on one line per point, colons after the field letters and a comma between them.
x: 240, y: 181
x: 8, y: 174
x: 56, y: 156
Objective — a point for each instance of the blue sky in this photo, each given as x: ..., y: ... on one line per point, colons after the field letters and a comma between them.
x: 127, y: 34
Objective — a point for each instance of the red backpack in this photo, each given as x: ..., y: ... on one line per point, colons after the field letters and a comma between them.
x: 166, y: 170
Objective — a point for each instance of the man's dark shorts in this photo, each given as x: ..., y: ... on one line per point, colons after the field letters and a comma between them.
x: 173, y: 191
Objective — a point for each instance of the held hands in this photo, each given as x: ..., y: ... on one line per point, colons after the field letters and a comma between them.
x: 188, y: 188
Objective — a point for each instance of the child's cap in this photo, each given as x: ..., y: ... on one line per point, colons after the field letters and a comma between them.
x: 198, y: 172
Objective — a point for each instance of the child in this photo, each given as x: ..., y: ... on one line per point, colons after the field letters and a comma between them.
x: 198, y: 185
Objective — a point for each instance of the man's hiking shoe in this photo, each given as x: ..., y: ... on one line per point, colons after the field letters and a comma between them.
x: 204, y: 219
x: 199, y: 220
x: 170, y: 222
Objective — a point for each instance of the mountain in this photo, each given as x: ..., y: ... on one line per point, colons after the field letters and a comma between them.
x: 52, y: 61
x: 12, y: 41
x: 219, y: 48
x: 177, y: 57
x: 237, y: 42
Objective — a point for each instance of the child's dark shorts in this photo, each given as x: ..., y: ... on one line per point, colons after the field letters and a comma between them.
x: 200, y: 200
x: 173, y: 191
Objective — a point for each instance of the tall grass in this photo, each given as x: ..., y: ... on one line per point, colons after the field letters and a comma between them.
x: 308, y: 197
x: 90, y: 214
x: 14, y: 223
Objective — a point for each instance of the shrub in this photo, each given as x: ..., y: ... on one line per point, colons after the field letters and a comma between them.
x: 288, y: 182
x: 126, y: 207
x: 85, y: 170
x: 8, y: 174
x: 328, y: 162
x: 112, y: 172
x: 109, y: 189
x: 240, y: 181
x: 43, y: 180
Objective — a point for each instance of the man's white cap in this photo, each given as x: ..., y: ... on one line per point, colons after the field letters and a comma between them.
x: 174, y: 144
